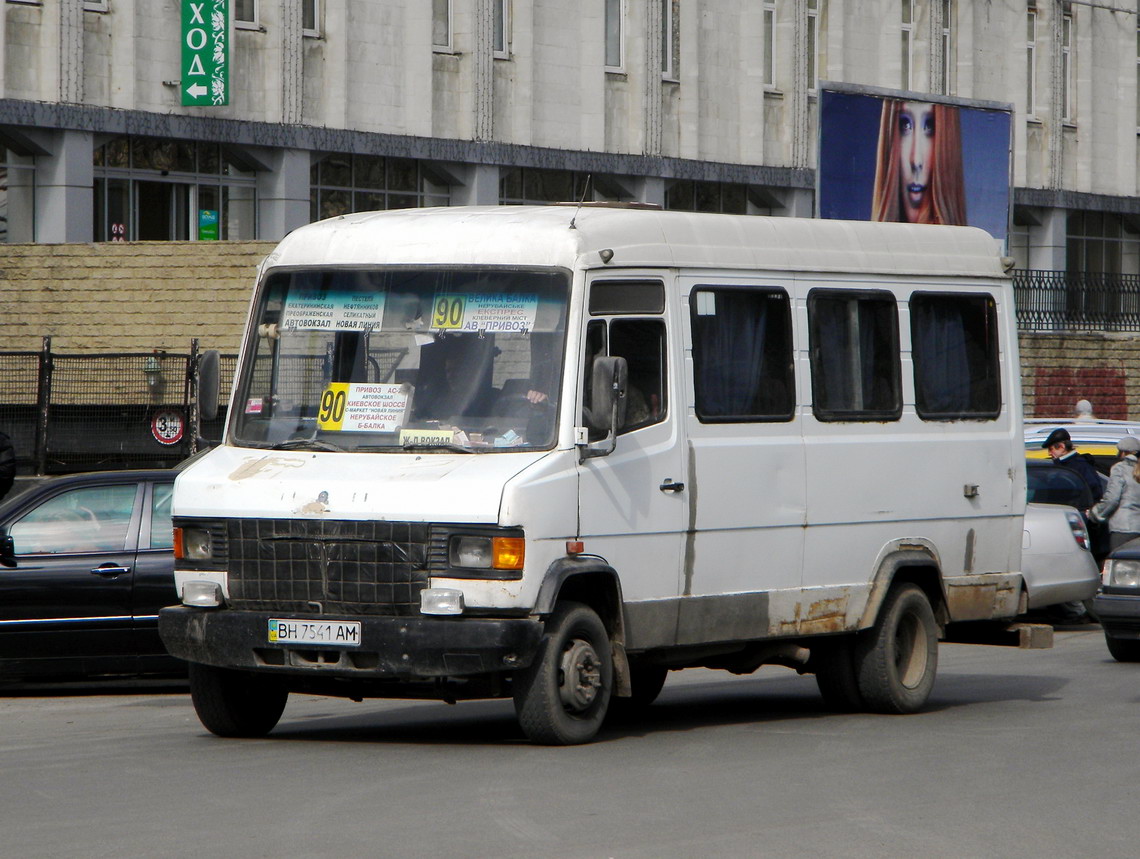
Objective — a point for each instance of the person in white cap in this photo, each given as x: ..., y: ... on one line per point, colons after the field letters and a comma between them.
x: 1120, y: 504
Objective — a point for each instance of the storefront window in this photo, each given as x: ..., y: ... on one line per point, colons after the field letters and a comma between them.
x: 155, y: 189
x: 341, y: 183
x: 17, y: 197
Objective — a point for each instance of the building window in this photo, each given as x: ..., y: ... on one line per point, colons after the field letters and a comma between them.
x: 1067, y: 68
x: 1103, y: 243
x: 907, y: 55
x: 245, y: 14
x: 770, y: 44
x: 526, y: 186
x: 947, y: 46
x: 854, y: 348
x: 311, y: 17
x: 690, y: 196
x: 502, y: 26
x: 615, y: 35
x: 669, y: 12
x: 341, y: 183
x: 812, y: 43
x: 955, y: 354
x: 154, y: 189
x: 17, y: 197
x: 742, y: 354
x: 1031, y: 62
x: 441, y: 26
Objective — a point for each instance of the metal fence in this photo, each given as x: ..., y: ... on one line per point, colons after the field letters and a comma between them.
x: 1085, y: 301
x: 68, y: 413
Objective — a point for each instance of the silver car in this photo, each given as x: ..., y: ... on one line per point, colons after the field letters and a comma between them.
x: 1056, y: 548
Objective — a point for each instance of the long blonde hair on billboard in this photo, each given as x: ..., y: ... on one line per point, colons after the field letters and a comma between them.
x: 947, y: 199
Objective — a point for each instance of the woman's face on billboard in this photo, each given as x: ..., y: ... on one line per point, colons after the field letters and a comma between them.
x: 916, y: 151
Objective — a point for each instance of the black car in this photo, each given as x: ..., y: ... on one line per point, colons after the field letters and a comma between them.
x: 86, y: 562
x: 1118, y: 602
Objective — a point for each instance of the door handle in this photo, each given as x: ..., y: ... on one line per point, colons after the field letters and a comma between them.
x: 668, y: 485
x: 109, y: 571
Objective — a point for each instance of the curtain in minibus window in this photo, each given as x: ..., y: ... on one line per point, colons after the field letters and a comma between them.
x: 954, y: 343
x: 742, y: 354
x: 854, y: 355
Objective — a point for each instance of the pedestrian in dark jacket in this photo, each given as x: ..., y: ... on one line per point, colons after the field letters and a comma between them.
x: 1061, y: 450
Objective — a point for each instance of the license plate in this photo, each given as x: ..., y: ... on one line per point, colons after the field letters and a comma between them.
x: 345, y: 633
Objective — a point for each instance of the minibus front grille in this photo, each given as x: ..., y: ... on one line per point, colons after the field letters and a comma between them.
x: 330, y: 567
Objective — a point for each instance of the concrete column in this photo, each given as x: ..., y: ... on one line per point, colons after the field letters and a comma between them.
x: 65, y: 182
x: 481, y: 187
x: 1047, y: 240
x: 283, y: 193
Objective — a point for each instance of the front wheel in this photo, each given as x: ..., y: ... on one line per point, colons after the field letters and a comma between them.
x: 897, y: 659
x: 562, y: 697
x: 1123, y: 649
x: 235, y: 703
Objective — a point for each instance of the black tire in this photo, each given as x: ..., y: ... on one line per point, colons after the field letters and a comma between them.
x: 645, y: 682
x: 896, y: 661
x: 834, y: 661
x: 1123, y: 649
x: 562, y: 697
x: 235, y: 703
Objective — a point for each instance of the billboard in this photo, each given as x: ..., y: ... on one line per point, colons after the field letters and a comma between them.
x: 898, y: 156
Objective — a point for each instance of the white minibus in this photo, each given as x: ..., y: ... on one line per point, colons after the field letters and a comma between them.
x: 553, y: 453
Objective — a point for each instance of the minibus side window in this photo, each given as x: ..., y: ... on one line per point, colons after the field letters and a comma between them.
x: 854, y: 343
x: 955, y: 349
x: 742, y: 354
x: 642, y: 343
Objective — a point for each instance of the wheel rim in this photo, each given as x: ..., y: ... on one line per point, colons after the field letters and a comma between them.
x: 910, y: 651
x: 580, y: 679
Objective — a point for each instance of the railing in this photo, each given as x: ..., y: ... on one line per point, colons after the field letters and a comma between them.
x: 1086, y: 301
x: 68, y: 413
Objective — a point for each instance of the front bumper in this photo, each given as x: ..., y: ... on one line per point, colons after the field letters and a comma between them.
x: 1119, y: 614
x: 391, y: 648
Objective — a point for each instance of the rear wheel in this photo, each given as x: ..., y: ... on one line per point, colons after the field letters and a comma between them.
x: 835, y: 674
x: 562, y: 697
x: 1123, y: 649
x: 645, y: 682
x: 235, y: 703
x: 897, y: 659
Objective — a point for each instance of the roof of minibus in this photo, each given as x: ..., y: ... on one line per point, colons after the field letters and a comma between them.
x: 572, y: 237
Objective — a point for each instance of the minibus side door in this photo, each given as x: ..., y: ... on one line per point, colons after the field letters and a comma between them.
x: 632, y: 502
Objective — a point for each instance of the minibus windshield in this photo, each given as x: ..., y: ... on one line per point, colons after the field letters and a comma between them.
x: 424, y: 359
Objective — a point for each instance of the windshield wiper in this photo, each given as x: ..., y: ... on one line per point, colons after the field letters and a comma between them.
x: 450, y: 445
x: 307, y: 444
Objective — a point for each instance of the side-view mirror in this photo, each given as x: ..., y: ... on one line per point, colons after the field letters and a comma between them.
x: 208, y: 384
x: 608, y: 403
x: 7, y: 551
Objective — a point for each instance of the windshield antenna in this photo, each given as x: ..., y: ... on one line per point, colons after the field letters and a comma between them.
x: 585, y: 189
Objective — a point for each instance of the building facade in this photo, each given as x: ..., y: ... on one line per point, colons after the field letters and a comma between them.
x: 344, y: 105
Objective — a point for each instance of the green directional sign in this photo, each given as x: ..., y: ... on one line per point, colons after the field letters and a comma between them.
x: 205, y: 52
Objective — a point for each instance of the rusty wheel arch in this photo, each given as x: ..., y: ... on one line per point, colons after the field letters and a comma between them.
x: 914, y: 564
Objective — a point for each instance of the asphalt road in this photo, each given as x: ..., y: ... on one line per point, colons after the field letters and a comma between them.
x: 1020, y: 754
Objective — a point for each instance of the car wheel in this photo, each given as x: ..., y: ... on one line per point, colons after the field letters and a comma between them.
x: 562, y: 697
x: 897, y: 659
x: 1123, y: 649
x: 235, y: 703
x: 835, y: 675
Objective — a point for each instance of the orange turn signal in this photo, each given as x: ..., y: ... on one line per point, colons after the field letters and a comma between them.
x: 508, y: 553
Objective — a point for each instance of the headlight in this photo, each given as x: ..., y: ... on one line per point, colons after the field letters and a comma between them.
x: 486, y: 553
x: 1120, y: 573
x: 193, y: 544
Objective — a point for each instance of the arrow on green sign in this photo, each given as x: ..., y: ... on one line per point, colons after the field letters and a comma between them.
x: 205, y: 52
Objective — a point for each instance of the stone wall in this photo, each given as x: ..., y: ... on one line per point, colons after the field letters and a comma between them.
x: 126, y: 297
x: 1058, y: 369
x: 143, y: 296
